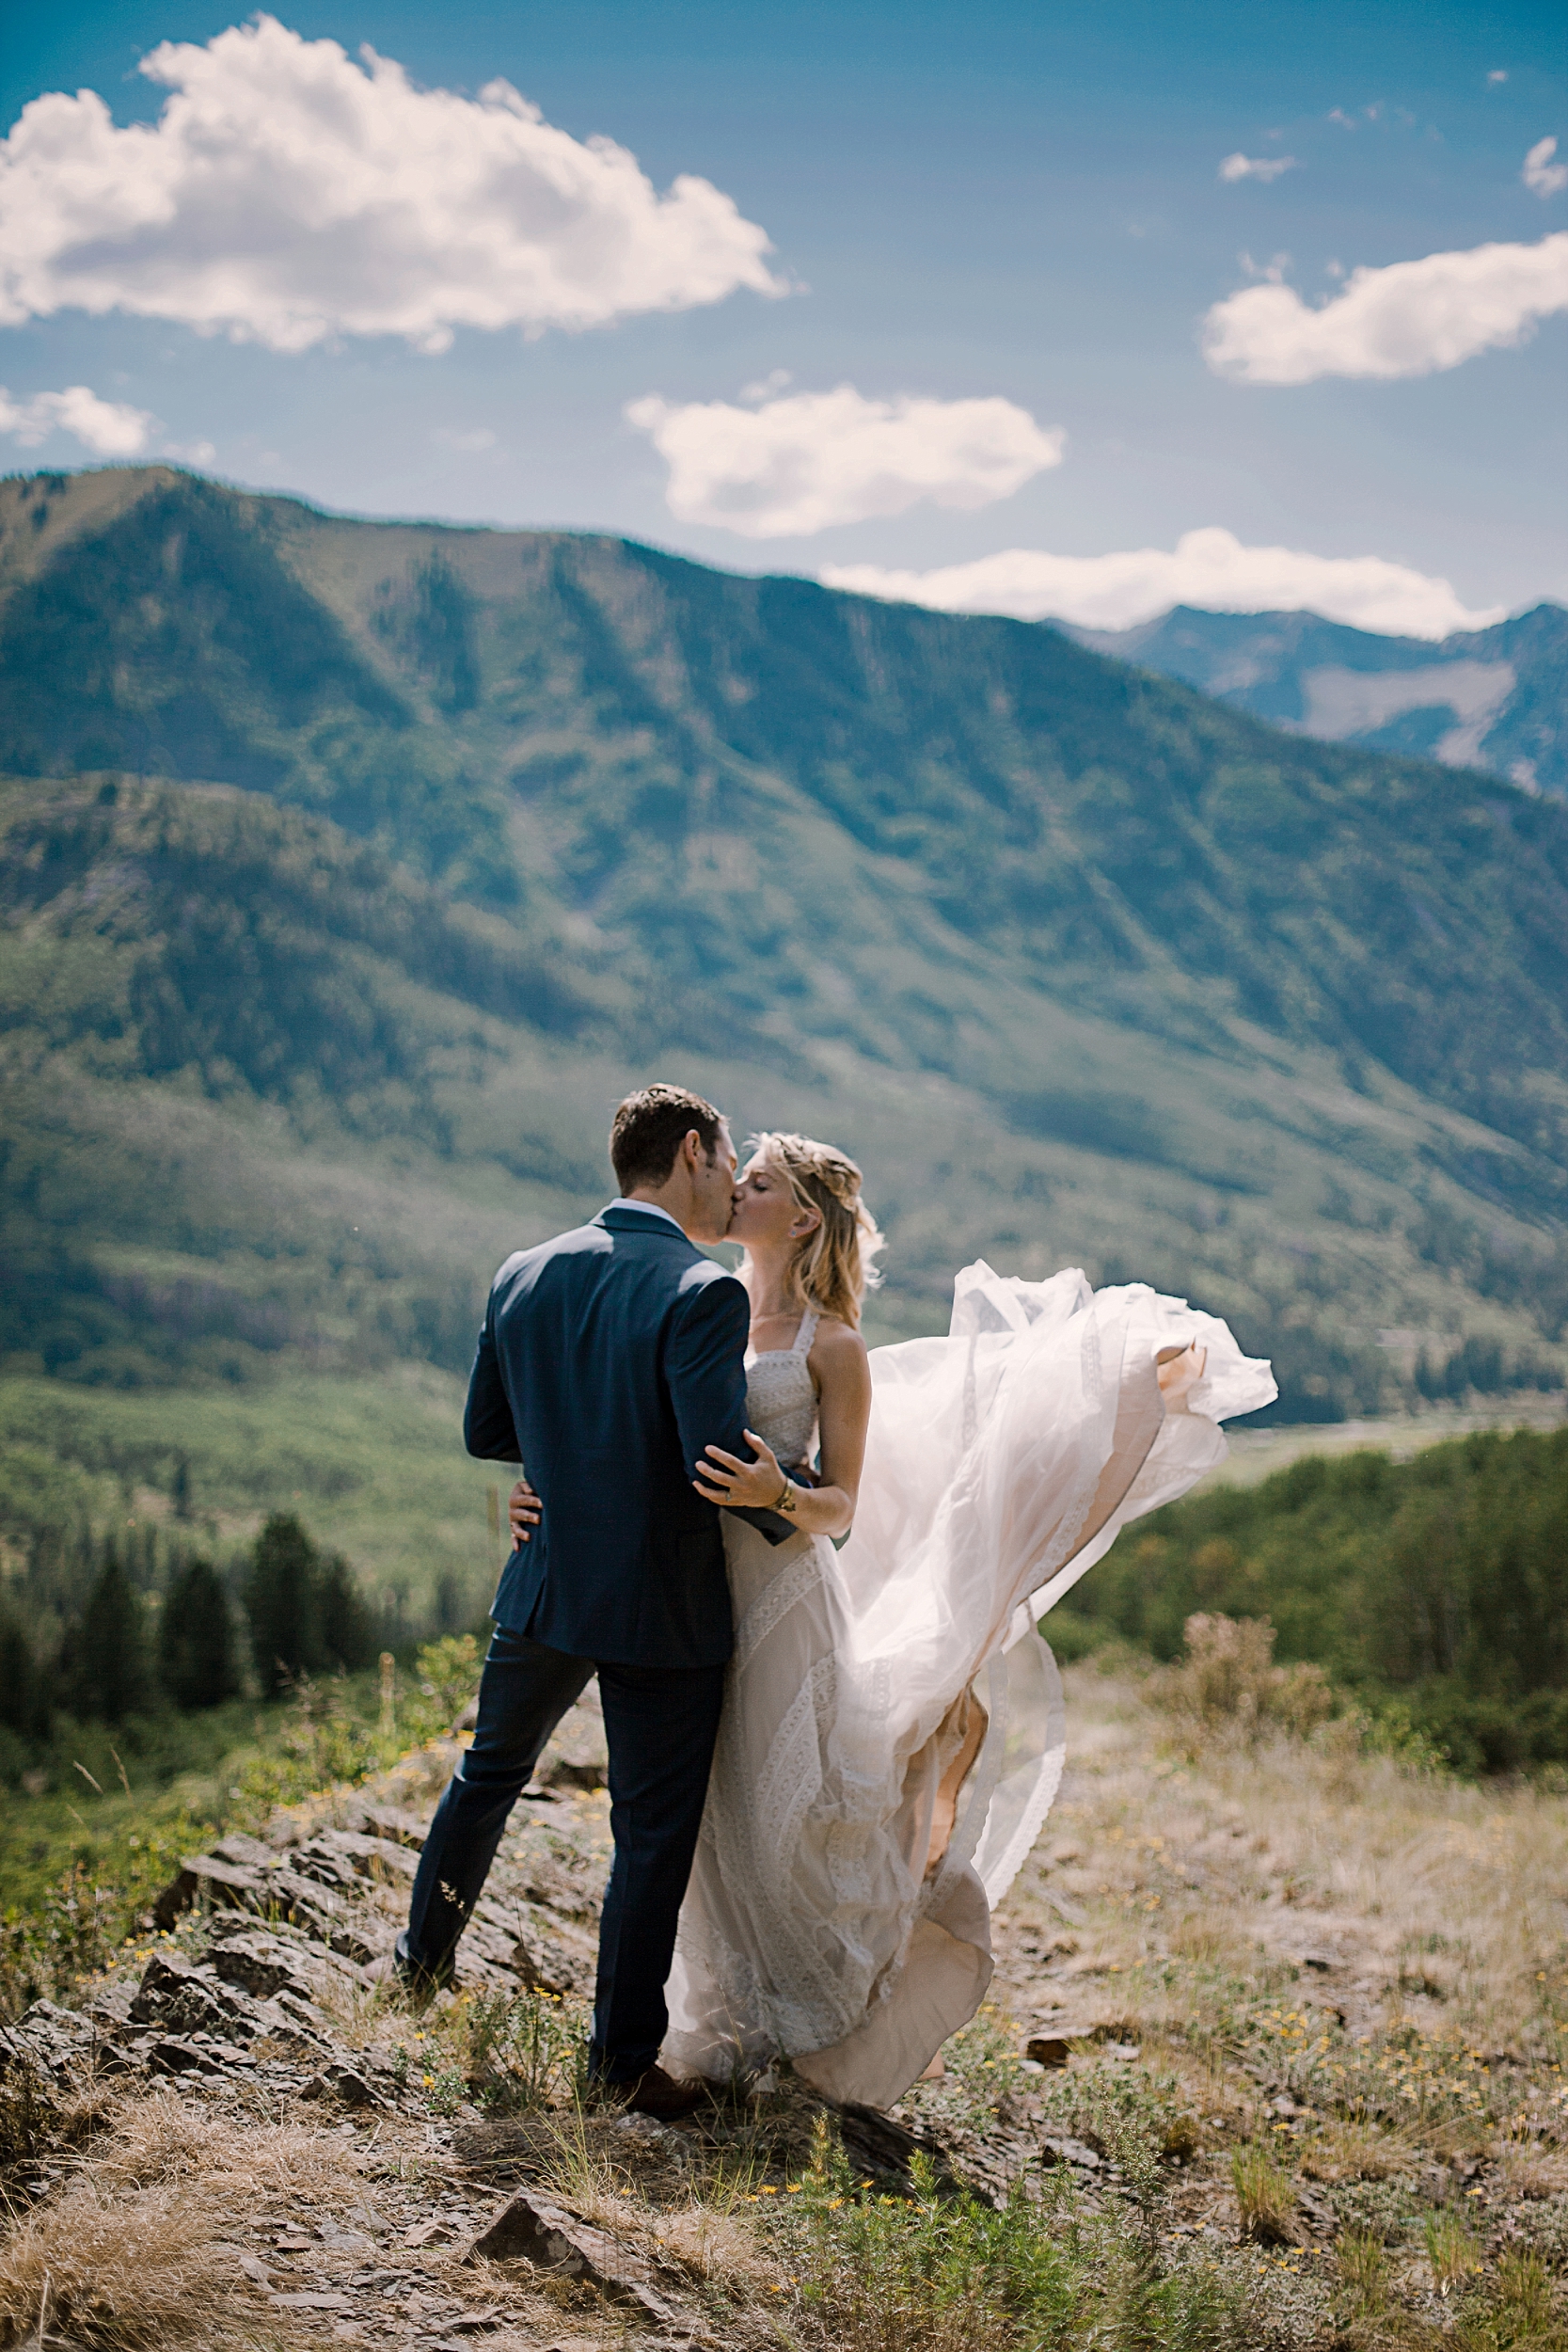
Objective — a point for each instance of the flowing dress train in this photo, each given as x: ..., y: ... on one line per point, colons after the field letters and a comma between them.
x: 892, y: 1736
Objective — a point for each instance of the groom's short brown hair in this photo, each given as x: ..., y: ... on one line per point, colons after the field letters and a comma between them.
x: 649, y: 1129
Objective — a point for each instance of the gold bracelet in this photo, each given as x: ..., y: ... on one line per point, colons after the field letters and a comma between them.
x: 789, y: 1498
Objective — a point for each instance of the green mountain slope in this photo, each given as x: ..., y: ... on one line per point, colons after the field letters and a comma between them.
x: 1491, y: 698
x: 348, y: 871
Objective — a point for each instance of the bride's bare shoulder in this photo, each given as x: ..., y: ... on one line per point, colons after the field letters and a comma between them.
x: 837, y: 1341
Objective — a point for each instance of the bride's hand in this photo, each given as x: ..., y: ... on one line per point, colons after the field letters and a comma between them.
x: 522, y: 1512
x: 741, y: 1486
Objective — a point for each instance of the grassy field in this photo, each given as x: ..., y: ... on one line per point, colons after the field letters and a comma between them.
x: 1256, y: 1454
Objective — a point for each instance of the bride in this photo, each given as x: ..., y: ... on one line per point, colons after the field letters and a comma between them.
x: 892, y: 1732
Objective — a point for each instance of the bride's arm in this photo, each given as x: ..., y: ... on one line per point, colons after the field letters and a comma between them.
x: 839, y: 1360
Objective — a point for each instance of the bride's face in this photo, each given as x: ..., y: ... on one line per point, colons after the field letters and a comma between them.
x: 766, y: 1216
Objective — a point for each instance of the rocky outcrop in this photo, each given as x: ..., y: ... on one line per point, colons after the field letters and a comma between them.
x: 533, y: 2229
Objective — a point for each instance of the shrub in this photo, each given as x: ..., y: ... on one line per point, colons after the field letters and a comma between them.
x: 518, y: 2051
x: 1228, y: 1684
x: 1039, y: 2273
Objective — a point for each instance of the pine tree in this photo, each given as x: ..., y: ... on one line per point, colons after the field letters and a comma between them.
x: 196, y: 1639
x: 22, y: 1704
x: 283, y: 1600
x: 347, y: 1631
x: 107, y: 1656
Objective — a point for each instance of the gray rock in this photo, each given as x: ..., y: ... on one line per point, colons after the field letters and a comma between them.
x: 346, y: 2241
x: 370, y: 1856
x: 246, y: 1854
x: 337, y: 2081
x: 264, y: 1963
x: 388, y: 1821
x: 173, y: 2054
x: 566, y: 1772
x: 223, y: 1885
x: 318, y: 1861
x: 874, y: 2142
x: 532, y: 2229
x: 57, y: 2043
x: 175, y: 1993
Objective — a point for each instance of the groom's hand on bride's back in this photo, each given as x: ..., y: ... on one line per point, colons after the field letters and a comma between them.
x: 523, y: 1512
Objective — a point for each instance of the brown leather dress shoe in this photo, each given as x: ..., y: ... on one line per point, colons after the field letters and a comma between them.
x: 659, y: 2094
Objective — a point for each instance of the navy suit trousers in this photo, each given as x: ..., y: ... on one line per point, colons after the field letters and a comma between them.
x: 660, y: 1723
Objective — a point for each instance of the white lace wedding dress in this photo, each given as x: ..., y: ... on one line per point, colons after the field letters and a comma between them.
x: 892, y: 1733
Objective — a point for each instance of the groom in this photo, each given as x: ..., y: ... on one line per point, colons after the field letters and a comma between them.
x: 607, y: 1358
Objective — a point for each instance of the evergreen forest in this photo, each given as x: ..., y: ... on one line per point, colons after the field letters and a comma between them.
x: 1437, y: 1586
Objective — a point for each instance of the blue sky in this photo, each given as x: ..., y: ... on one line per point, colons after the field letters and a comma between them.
x: 979, y: 204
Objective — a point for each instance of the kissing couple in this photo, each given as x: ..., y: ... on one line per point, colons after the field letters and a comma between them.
x: 809, y: 1578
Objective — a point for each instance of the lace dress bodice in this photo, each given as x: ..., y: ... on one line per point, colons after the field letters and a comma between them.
x: 781, y: 1396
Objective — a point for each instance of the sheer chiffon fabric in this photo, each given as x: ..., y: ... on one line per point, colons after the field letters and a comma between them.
x: 892, y: 1737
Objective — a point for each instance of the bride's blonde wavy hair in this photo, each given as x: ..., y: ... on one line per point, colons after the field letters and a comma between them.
x: 833, y: 1267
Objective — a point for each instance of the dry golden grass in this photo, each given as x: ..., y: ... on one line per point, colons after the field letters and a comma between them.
x: 133, y: 2255
x: 128, y: 2274
x: 1356, y: 1969
x: 1357, y: 2151
x: 1429, y: 1897
x: 1531, y: 2172
x: 220, y: 2162
x: 699, y: 2217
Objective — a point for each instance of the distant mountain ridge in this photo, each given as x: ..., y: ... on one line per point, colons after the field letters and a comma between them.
x: 1490, y: 698
x: 349, y: 870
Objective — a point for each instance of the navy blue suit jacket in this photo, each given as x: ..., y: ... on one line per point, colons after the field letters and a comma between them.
x: 609, y: 1357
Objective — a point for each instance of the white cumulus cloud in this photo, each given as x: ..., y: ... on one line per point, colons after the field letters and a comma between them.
x: 802, y: 462
x: 1210, y: 569
x: 1265, y: 168
x: 1410, y: 319
x: 286, y: 194
x: 1540, y: 174
x: 108, y: 427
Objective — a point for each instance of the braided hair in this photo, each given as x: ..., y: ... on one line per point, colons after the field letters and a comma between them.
x: 833, y: 1266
